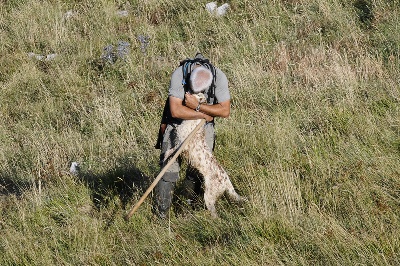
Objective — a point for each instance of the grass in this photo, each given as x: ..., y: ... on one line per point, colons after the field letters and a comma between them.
x: 313, y: 139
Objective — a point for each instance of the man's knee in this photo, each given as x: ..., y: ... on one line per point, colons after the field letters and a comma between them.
x: 171, y: 177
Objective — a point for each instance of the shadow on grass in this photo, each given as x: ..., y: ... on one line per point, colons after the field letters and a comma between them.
x: 123, y: 182
x: 10, y: 186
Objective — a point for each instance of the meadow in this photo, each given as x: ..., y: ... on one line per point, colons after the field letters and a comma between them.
x: 313, y: 139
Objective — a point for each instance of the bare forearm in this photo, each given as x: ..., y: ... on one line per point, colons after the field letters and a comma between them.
x: 178, y: 110
x: 186, y: 113
x: 220, y: 110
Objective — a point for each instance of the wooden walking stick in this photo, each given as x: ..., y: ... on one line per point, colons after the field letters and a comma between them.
x: 165, y: 168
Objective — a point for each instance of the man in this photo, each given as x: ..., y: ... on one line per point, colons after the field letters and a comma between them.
x: 184, y: 106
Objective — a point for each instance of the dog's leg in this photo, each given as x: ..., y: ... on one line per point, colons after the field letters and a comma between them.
x: 216, y: 180
x: 232, y: 193
x: 210, y: 199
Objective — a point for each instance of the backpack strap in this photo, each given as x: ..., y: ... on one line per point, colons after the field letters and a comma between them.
x: 211, y: 90
x: 186, y: 69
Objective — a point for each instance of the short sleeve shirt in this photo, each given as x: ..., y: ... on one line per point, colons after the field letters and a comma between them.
x: 221, y: 86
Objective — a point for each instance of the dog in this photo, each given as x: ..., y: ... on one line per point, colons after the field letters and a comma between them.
x: 199, y: 155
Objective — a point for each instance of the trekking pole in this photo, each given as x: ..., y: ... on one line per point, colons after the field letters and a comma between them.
x: 165, y: 168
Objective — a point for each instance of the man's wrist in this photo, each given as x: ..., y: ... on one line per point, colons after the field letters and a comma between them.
x: 197, y: 109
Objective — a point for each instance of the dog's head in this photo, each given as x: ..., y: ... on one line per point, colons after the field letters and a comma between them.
x: 200, y: 97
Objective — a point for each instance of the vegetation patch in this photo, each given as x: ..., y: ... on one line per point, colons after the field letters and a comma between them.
x: 312, y: 139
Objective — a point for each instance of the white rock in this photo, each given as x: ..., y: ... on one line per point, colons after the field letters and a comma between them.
x: 211, y: 6
x: 222, y: 9
x: 37, y: 56
x: 122, y: 13
x: 50, y: 57
x: 70, y: 14
x: 74, y: 169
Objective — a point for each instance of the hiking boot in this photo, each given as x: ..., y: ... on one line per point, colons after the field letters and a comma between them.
x: 163, y: 198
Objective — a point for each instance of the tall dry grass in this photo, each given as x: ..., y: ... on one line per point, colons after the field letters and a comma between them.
x: 312, y: 141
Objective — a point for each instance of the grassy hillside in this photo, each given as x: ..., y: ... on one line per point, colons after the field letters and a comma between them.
x: 313, y: 139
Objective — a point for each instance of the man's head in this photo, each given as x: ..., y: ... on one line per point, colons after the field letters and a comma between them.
x: 200, y: 79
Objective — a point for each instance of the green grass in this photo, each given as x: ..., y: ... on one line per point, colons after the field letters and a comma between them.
x: 313, y: 140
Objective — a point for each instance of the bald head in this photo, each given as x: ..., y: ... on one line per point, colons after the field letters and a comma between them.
x: 200, y: 79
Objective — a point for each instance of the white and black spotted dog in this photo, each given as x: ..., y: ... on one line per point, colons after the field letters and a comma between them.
x: 199, y: 155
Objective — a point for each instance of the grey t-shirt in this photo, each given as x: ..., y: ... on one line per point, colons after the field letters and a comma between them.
x: 221, y: 86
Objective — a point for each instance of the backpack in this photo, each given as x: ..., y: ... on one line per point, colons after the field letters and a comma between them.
x: 186, y: 67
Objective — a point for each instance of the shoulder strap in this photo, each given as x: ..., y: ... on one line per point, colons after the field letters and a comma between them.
x: 186, y: 65
x: 211, y: 91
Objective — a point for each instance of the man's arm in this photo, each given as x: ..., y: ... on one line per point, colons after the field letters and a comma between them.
x: 178, y: 110
x: 222, y: 109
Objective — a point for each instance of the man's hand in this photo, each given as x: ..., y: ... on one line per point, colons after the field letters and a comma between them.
x: 191, y: 101
x: 208, y: 118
